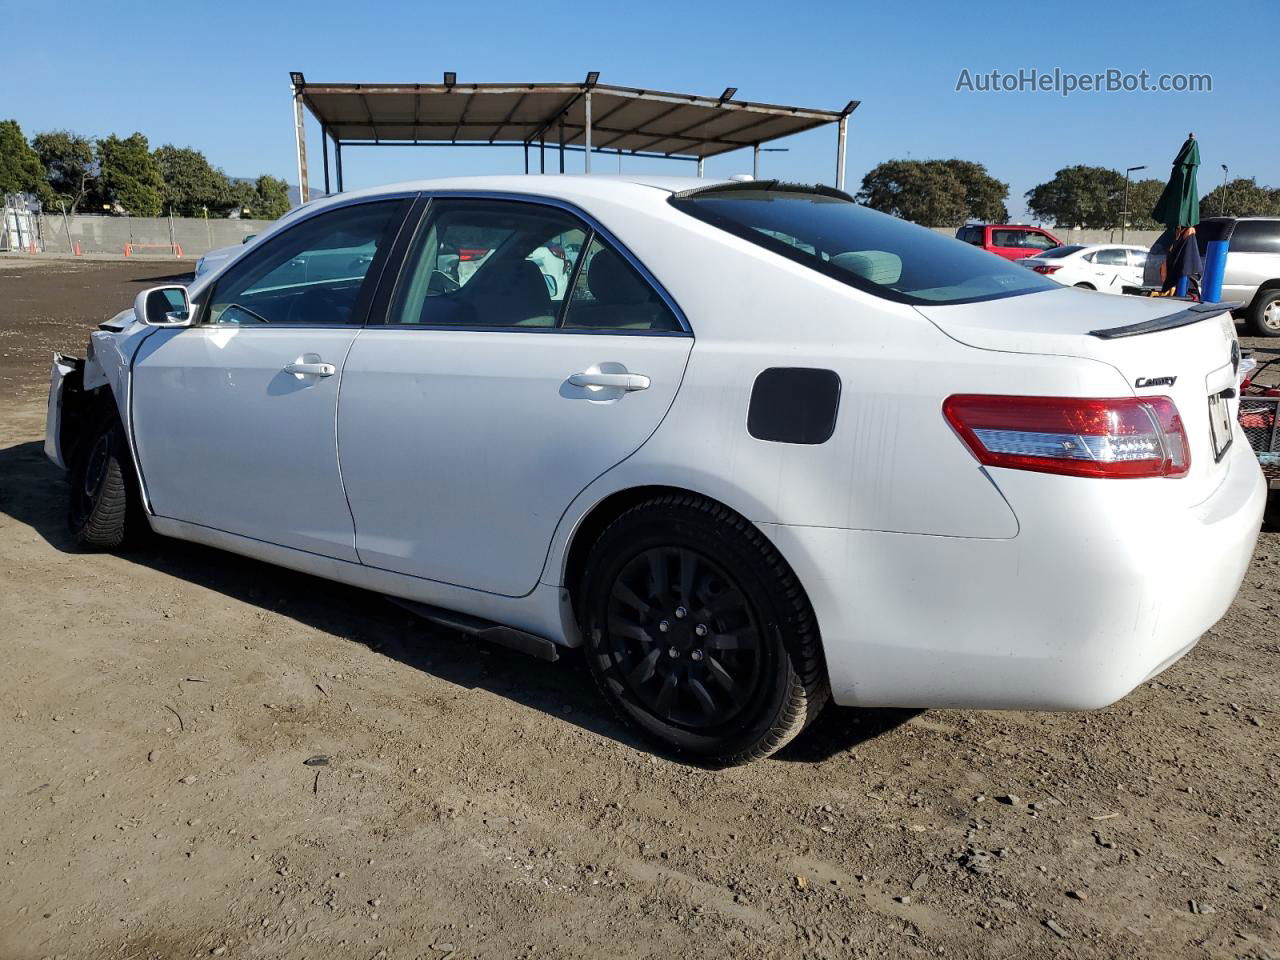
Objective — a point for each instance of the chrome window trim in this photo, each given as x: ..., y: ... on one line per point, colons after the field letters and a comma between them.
x: 685, y: 329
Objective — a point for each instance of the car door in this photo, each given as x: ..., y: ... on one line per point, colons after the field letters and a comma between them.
x: 474, y: 415
x: 1008, y: 243
x: 1110, y: 267
x: 235, y: 417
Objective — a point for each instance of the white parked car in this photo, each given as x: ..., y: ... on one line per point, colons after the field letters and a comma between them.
x: 1108, y: 267
x: 771, y: 447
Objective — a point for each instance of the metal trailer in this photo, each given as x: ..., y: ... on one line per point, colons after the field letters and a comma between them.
x: 1260, y: 418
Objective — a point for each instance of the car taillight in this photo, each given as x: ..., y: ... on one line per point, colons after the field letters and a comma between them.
x: 1046, y: 268
x: 1079, y: 437
x: 468, y: 254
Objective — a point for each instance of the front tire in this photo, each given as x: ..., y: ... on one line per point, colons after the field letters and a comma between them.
x: 103, y: 513
x: 1265, y: 313
x: 698, y: 632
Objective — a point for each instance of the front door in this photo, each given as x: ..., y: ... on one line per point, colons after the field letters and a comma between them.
x: 490, y: 398
x: 235, y: 417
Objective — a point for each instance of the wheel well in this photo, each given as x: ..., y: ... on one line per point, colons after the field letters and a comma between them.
x: 1086, y: 286
x: 1265, y: 288
x: 595, y: 522
x: 79, y: 407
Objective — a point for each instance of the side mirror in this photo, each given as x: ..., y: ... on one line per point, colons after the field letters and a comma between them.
x: 163, y: 307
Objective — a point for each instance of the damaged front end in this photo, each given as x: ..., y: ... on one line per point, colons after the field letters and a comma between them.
x: 67, y: 404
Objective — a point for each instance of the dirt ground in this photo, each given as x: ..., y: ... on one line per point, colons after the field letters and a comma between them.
x: 157, y: 710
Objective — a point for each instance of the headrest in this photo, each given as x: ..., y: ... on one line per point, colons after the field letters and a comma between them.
x: 612, y: 280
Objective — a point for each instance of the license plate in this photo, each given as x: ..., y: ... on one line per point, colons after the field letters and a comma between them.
x: 1220, y: 425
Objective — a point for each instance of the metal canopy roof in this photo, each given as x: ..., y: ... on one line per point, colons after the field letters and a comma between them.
x: 588, y: 117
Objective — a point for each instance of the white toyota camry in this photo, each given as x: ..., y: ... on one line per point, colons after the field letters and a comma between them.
x: 758, y: 445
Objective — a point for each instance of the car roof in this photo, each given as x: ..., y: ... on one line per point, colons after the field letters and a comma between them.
x: 630, y: 190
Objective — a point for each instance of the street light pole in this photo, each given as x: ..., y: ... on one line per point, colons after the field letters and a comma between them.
x: 1223, y: 211
x: 1124, y: 214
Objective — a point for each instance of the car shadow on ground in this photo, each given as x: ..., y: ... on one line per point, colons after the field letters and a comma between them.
x: 34, y: 493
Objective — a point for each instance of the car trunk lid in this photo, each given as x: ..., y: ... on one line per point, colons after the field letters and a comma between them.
x: 1187, y: 352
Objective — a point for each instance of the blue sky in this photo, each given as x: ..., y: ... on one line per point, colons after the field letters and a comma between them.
x: 215, y: 76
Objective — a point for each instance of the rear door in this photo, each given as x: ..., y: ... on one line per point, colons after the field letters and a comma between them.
x: 1110, y: 268
x: 1007, y: 242
x: 488, y: 400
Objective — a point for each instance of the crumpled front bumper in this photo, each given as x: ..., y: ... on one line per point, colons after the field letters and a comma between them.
x: 65, y: 376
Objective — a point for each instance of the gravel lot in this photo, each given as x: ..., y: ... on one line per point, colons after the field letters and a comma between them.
x: 157, y: 710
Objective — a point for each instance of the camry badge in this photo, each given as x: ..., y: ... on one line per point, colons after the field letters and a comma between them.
x: 1155, y: 382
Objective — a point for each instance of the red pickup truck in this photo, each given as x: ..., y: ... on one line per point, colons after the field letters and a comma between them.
x: 1013, y: 241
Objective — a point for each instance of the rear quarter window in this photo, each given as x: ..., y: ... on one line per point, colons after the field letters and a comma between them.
x: 871, y: 251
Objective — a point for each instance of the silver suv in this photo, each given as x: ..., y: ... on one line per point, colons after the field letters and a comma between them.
x: 1253, y: 266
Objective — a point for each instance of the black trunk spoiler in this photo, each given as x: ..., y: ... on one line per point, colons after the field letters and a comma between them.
x: 1192, y: 314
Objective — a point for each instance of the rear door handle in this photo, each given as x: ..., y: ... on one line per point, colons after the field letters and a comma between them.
x: 626, y: 381
x: 302, y: 369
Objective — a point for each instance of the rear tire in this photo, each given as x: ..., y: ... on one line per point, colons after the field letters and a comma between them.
x: 1264, y: 315
x: 104, y: 512
x: 698, y: 632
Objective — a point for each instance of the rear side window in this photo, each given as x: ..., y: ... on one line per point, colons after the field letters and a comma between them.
x: 1111, y: 257
x: 610, y: 294
x: 1255, y: 236
x: 866, y: 249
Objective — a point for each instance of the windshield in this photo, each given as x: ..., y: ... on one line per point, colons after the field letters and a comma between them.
x: 1057, y: 253
x: 872, y: 251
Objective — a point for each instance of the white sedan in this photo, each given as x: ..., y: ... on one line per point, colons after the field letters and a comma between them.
x: 769, y: 448
x: 1108, y: 267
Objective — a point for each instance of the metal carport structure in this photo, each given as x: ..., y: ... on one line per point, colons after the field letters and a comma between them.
x: 587, y: 117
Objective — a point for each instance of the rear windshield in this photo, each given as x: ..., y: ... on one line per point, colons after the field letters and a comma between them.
x: 1057, y: 253
x: 866, y: 249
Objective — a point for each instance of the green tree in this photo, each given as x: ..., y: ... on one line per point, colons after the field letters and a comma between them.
x: 983, y: 194
x: 244, y: 198
x: 273, y: 198
x: 1143, y: 195
x: 1241, y: 198
x: 935, y: 193
x: 191, y: 184
x: 130, y: 176
x: 20, y: 168
x: 1080, y: 196
x: 70, y: 166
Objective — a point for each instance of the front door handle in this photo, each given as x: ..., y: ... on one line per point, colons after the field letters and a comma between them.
x: 300, y: 369
x: 625, y: 381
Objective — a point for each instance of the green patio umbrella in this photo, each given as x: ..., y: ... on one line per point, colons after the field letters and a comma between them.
x: 1179, y: 204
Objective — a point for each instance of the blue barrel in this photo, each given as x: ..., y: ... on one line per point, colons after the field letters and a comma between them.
x: 1215, y: 267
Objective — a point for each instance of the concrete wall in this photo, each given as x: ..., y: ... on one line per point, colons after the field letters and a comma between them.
x: 196, y: 236
x: 110, y: 235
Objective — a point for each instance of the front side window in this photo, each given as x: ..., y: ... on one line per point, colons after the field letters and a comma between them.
x: 507, y: 264
x: 1037, y: 241
x: 872, y: 251
x: 314, y: 273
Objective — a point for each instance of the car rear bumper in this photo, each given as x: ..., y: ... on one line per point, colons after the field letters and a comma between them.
x: 1064, y: 616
